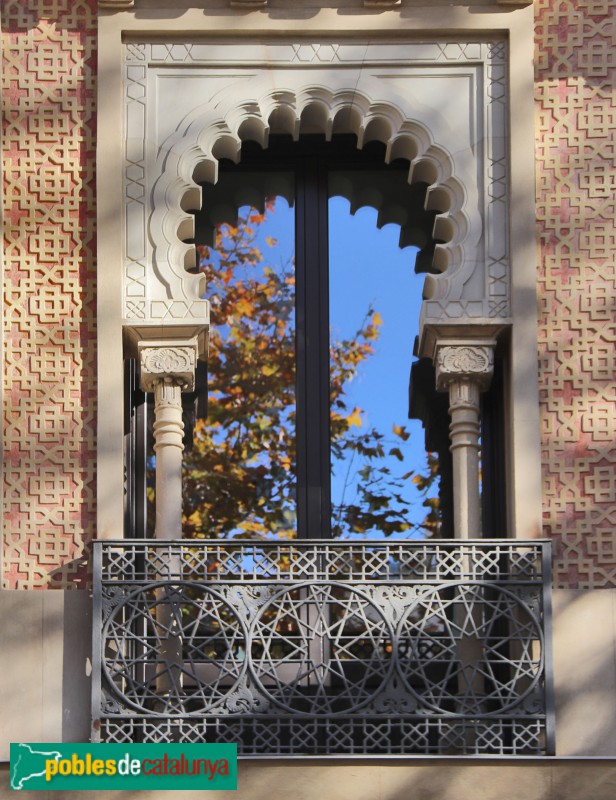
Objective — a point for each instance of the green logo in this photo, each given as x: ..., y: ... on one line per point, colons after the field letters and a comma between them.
x: 123, y: 766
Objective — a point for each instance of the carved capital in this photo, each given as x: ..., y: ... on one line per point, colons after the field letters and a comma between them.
x: 166, y: 362
x: 455, y: 362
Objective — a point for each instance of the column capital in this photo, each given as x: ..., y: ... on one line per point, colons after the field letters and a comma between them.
x: 168, y: 360
x: 464, y: 361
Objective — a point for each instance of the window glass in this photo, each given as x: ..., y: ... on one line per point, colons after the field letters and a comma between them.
x: 314, y: 310
x: 240, y: 476
x: 379, y: 470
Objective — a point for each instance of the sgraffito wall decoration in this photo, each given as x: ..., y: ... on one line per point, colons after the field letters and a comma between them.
x: 576, y: 187
x: 49, y: 319
x: 49, y: 282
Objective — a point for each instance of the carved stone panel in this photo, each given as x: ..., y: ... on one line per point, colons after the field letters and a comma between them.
x: 159, y: 360
x: 189, y: 104
x: 463, y: 361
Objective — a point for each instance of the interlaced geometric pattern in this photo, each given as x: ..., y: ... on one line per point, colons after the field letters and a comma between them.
x: 208, y: 635
x: 576, y: 187
x: 49, y: 290
x: 325, y: 647
x: 460, y: 639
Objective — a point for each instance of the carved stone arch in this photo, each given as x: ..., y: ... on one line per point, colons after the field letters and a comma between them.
x: 216, y: 130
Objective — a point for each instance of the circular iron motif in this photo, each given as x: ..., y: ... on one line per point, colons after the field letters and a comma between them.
x: 470, y: 648
x: 321, y: 649
x: 173, y: 648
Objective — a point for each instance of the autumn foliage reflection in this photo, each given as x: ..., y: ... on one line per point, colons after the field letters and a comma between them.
x: 239, y: 479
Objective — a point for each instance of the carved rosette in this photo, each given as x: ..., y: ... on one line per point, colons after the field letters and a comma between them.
x: 168, y: 363
x: 474, y: 363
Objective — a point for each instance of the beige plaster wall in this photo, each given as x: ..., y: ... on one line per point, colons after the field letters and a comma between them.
x: 380, y: 780
x: 45, y: 646
x: 585, y: 672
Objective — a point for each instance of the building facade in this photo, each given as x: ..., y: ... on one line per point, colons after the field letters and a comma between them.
x: 114, y: 117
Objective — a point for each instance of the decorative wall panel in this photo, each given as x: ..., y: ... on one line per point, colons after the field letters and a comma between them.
x: 49, y: 319
x: 576, y: 183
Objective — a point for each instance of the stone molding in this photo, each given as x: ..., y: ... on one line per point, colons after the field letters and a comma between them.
x: 168, y: 362
x: 249, y: 5
x: 464, y: 393
x: 116, y: 5
x: 253, y: 4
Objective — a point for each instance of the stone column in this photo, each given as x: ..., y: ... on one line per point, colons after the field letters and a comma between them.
x: 465, y: 370
x: 167, y: 370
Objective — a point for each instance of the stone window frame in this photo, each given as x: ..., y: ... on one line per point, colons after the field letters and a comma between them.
x: 412, y: 24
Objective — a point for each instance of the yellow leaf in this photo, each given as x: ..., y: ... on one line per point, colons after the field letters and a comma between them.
x: 377, y: 319
x: 401, y: 431
x: 269, y: 370
x: 245, y: 307
x: 354, y: 418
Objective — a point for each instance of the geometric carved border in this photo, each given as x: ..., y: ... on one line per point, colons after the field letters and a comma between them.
x: 576, y: 186
x: 49, y: 316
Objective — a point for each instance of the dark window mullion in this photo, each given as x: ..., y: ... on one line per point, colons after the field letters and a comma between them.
x: 135, y: 434
x: 313, y: 468
x: 322, y: 336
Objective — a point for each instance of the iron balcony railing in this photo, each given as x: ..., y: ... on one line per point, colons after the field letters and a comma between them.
x: 313, y: 647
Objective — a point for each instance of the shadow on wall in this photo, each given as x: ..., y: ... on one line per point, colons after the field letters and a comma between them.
x: 585, y: 672
x: 423, y: 780
x: 45, y: 652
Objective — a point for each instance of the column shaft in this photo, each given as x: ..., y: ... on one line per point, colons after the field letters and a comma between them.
x: 464, y: 434
x: 464, y: 369
x: 168, y: 445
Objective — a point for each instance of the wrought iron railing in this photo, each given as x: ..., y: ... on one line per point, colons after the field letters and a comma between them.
x: 312, y: 647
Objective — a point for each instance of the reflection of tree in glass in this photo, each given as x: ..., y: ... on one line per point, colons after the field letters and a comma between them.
x: 239, y: 479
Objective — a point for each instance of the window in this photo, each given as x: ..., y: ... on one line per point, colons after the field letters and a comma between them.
x: 311, y: 347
